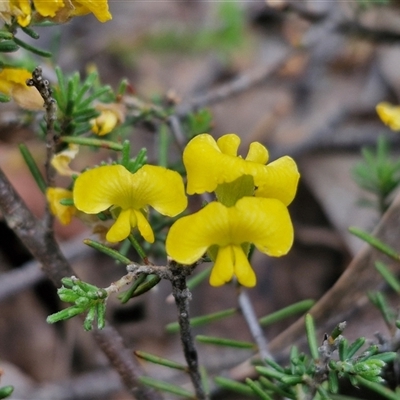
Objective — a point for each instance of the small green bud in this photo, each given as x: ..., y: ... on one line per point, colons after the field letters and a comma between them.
x: 91, y: 315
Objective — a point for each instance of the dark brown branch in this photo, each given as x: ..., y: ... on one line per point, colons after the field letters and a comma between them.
x: 45, y: 249
x: 182, y: 296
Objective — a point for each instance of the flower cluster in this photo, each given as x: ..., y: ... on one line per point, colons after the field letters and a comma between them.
x: 58, y: 11
x: 251, y: 207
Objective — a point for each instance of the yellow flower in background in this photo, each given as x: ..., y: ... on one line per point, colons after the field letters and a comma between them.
x: 13, y: 84
x: 226, y: 232
x: 111, y: 115
x: 390, y: 115
x: 61, y: 160
x: 211, y: 163
x: 55, y: 10
x: 129, y: 195
x: 63, y: 213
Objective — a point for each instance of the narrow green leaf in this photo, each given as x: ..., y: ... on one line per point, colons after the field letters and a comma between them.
x: 107, y: 250
x: 126, y: 150
x: 163, y: 145
x: 5, y: 35
x: 6, y: 391
x: 274, y: 365
x: 297, y: 308
x: 67, y: 202
x: 343, y: 349
x: 101, y: 314
x: 165, y: 387
x: 377, y: 388
x: 151, y: 281
x: 388, y: 276
x: 257, y: 390
x: 68, y: 313
x: 270, y: 373
x: 276, y: 389
x: 128, y: 294
x: 89, y: 319
x: 234, y: 386
x: 225, y: 342
x: 311, y: 337
x: 33, y: 168
x: 355, y: 346
x: 374, y: 242
x: 30, y: 32
x: 333, y: 382
x: 32, y: 49
x: 159, y: 360
x: 104, y: 144
x: 203, y: 320
x: 8, y: 46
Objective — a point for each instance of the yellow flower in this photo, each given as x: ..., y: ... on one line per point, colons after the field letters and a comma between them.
x: 390, y: 115
x: 227, y: 232
x: 56, y: 10
x: 111, y: 115
x: 60, y: 161
x: 63, y: 213
x: 211, y: 163
x: 129, y: 195
x: 13, y: 83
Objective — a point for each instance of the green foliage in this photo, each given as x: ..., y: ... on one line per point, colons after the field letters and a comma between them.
x: 225, y: 35
x: 75, y: 100
x: 6, y: 391
x: 320, y: 373
x: 378, y: 174
x: 86, y: 298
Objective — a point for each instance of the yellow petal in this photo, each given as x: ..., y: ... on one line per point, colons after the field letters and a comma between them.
x: 257, y: 153
x: 229, y: 144
x: 99, y: 188
x: 61, y: 160
x: 48, y: 8
x: 98, y: 7
x: 104, y: 123
x: 144, y: 227
x: 160, y: 188
x: 279, y: 180
x: 190, y: 236
x: 207, y: 166
x: 389, y: 114
x: 222, y: 271
x: 242, y: 267
x: 264, y: 222
x: 13, y: 83
x: 63, y: 213
x: 121, y: 228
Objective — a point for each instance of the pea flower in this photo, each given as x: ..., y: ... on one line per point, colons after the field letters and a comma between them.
x: 55, y: 10
x: 111, y: 115
x: 13, y: 84
x: 226, y: 232
x: 389, y: 114
x: 211, y: 163
x: 129, y: 196
x: 61, y: 160
x: 63, y: 213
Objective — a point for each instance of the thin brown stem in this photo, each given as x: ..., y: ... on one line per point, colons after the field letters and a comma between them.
x: 182, y: 296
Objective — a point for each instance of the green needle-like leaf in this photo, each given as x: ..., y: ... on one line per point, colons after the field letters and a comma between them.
x: 166, y: 387
x: 234, y: 386
x: 161, y: 361
x: 203, y: 320
x: 225, y: 342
